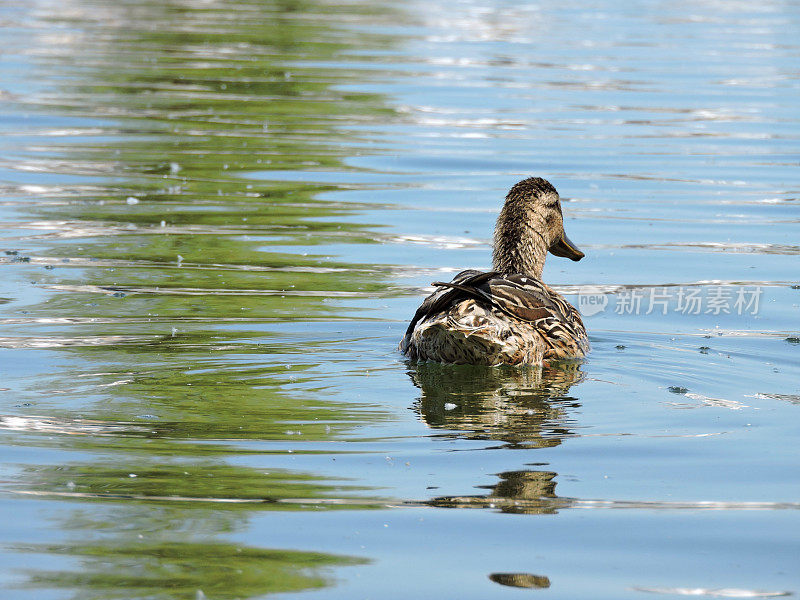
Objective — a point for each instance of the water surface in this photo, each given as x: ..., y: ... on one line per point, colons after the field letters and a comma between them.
x: 216, y: 219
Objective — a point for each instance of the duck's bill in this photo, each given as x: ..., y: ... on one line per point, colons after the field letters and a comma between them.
x: 565, y: 248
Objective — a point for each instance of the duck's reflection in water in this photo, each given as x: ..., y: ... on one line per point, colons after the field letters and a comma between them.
x: 521, y: 407
x: 519, y: 492
x: 522, y: 580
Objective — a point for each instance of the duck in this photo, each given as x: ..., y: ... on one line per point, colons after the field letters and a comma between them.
x: 506, y: 316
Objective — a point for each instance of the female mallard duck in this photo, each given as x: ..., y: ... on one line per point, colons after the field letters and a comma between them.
x: 507, y: 315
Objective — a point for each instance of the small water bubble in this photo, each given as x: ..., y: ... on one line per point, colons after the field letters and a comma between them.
x: 163, y: 223
x: 132, y: 475
x: 132, y: 200
x: 449, y: 406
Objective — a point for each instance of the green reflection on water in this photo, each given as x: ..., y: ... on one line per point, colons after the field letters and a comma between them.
x: 173, y: 277
x: 169, y: 245
x: 227, y: 487
x: 144, y: 569
x: 185, y: 395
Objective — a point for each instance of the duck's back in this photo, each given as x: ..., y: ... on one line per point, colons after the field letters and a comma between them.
x: 491, y: 318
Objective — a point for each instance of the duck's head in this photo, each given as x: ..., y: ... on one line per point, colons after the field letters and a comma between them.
x: 531, y: 224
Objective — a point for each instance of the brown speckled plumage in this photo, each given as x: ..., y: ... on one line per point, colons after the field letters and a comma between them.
x: 507, y: 315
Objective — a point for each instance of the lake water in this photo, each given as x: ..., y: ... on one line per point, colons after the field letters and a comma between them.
x: 216, y: 219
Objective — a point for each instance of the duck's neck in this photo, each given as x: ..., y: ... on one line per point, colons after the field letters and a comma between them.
x: 520, y: 241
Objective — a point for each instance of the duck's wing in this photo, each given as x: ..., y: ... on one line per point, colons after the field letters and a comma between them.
x: 524, y: 299
x: 447, y: 294
x: 558, y: 322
